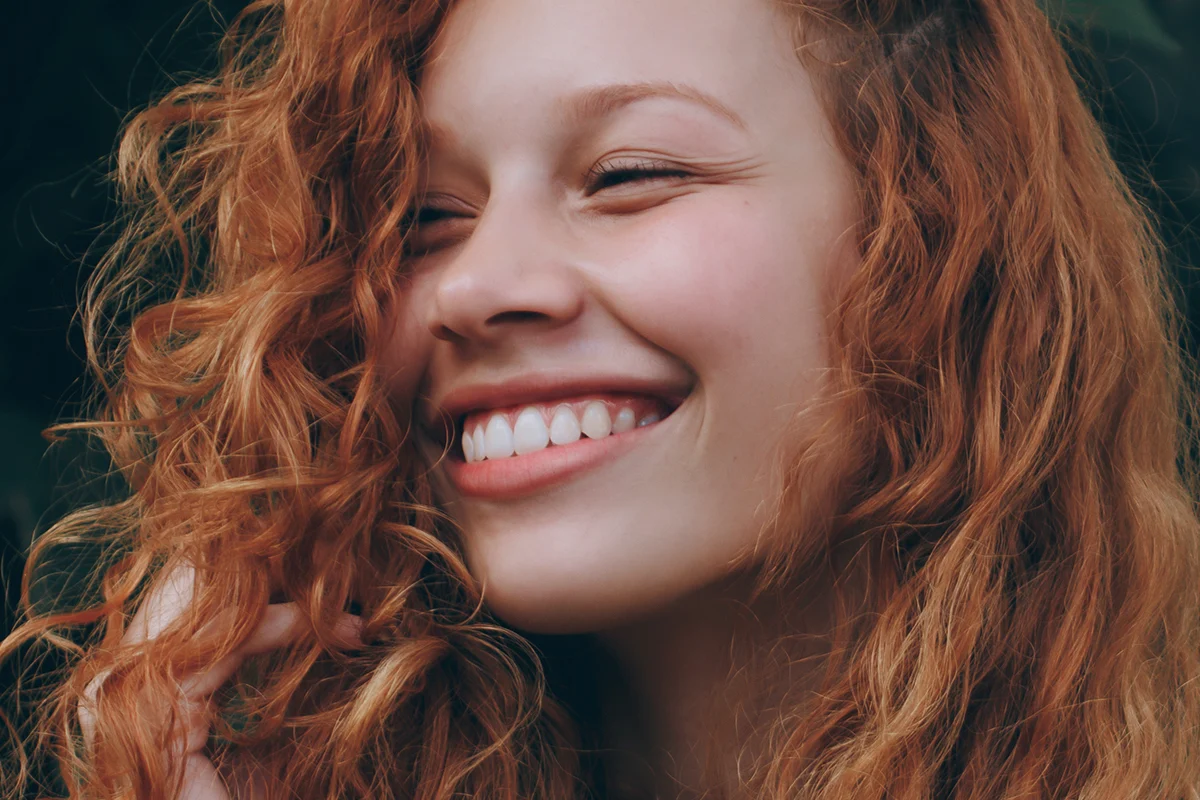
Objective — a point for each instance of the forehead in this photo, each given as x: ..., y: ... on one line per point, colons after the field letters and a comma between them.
x: 507, y: 57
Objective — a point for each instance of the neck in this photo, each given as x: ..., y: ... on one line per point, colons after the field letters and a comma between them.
x: 690, y: 692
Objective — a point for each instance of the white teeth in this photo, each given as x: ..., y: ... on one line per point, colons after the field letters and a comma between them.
x: 596, y: 423
x: 499, y: 437
x: 480, y: 441
x: 529, y: 433
x: 625, y: 421
x: 564, y: 428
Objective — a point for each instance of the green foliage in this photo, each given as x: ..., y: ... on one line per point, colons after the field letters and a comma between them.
x: 1132, y: 18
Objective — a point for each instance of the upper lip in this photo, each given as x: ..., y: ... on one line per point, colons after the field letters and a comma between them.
x: 542, y: 388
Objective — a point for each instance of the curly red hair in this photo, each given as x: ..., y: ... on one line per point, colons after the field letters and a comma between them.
x: 1003, y: 445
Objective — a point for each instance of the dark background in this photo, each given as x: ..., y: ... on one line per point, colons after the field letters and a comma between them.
x: 72, y: 71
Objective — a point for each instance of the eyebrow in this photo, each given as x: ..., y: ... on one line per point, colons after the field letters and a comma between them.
x: 599, y: 101
x: 602, y: 100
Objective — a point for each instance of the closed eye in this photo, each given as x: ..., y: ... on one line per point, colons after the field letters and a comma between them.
x: 422, y: 225
x: 607, y: 175
x: 430, y: 214
x: 600, y: 177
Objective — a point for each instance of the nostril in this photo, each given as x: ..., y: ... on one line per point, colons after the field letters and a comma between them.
x: 515, y: 317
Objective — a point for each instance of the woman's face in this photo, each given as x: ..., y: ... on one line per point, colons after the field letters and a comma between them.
x: 633, y: 209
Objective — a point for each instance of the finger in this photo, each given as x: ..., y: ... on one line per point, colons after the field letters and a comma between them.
x: 195, y: 714
x: 282, y: 624
x: 87, y: 708
x: 165, y: 603
x: 201, y: 781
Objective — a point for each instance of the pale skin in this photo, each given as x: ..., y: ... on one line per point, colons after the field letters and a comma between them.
x: 702, y: 261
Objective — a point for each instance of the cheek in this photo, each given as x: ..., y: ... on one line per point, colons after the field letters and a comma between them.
x: 716, y: 282
x: 407, y: 348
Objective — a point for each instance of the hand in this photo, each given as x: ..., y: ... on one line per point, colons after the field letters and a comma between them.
x: 281, y: 624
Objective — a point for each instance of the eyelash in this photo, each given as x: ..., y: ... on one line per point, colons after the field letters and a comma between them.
x: 651, y: 169
x: 604, y: 172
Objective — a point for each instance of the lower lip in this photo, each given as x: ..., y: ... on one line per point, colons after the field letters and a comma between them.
x: 516, y: 476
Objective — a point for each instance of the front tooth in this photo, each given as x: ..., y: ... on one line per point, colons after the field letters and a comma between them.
x: 596, y: 422
x: 530, y: 434
x: 498, y: 437
x: 480, y: 442
x: 626, y: 421
x: 468, y: 447
x: 564, y: 428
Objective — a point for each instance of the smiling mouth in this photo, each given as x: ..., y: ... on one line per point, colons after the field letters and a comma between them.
x: 517, y: 431
x: 507, y: 453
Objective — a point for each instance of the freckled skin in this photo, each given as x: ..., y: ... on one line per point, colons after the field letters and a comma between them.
x: 715, y: 278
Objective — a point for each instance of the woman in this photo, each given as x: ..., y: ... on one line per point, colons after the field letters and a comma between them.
x: 721, y: 398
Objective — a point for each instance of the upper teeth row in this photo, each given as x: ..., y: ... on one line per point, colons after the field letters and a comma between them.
x: 498, y: 440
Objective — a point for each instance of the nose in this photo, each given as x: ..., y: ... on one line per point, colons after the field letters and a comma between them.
x: 514, y: 272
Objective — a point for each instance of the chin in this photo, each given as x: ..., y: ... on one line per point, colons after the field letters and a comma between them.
x: 557, y: 606
x: 574, y: 596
